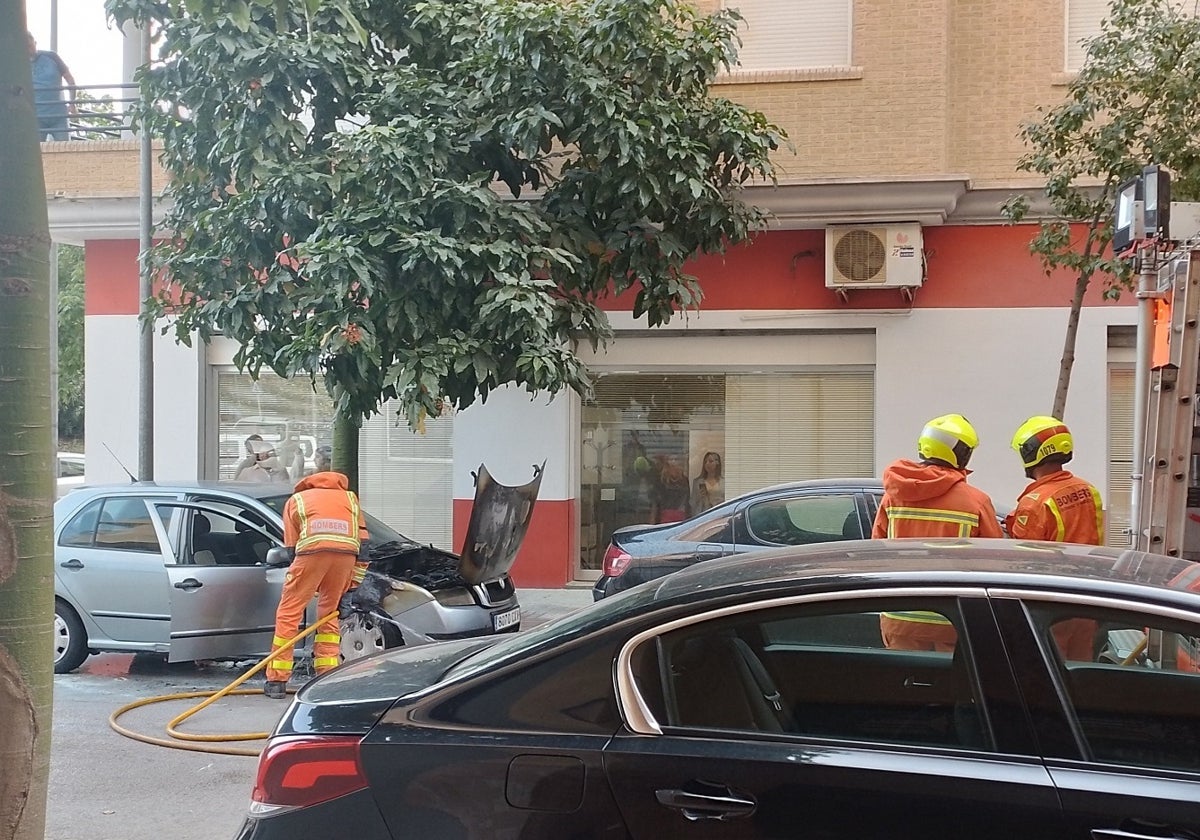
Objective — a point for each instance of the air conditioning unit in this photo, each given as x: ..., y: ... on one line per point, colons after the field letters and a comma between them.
x: 876, y: 257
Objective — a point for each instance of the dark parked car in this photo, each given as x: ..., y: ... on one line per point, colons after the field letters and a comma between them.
x: 182, y: 569
x: 753, y: 697
x: 798, y: 513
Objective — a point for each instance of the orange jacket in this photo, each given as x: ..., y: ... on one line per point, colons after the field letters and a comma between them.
x: 1059, y: 507
x: 930, y: 500
x: 323, y: 515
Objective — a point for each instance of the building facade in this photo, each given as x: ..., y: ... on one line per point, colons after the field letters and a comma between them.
x: 904, y: 118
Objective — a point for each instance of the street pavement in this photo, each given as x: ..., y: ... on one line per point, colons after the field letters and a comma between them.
x: 104, y: 786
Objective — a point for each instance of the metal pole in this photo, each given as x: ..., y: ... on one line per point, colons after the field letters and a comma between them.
x: 1146, y: 294
x: 54, y: 26
x: 146, y: 335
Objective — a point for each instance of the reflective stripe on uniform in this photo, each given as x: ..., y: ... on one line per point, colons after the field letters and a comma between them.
x: 1099, y: 514
x: 1058, y: 520
x: 919, y: 616
x: 325, y: 661
x: 280, y: 665
x: 331, y: 638
x: 278, y: 642
x: 306, y: 540
x: 961, y: 520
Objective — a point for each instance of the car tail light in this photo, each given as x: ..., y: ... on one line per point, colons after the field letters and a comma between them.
x: 616, y: 561
x: 302, y: 771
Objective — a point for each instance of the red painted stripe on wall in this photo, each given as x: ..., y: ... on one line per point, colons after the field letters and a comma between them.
x: 110, y: 277
x: 547, y: 557
x: 969, y: 266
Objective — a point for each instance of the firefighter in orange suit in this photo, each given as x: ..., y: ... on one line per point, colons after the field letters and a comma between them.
x: 931, y: 498
x: 1057, y: 506
x: 322, y: 521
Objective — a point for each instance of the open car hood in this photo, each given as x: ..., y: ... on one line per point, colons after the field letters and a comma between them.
x: 499, y: 519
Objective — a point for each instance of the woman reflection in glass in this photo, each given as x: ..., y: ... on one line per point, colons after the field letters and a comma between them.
x: 708, y: 489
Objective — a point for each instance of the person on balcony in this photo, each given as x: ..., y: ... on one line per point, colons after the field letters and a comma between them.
x: 51, y: 78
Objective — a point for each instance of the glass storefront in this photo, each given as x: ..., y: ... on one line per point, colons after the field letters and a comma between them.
x: 404, y: 478
x: 662, y: 447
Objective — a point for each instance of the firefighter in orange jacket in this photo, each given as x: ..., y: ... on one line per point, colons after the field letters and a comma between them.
x: 1057, y: 506
x: 931, y: 498
x: 325, y: 525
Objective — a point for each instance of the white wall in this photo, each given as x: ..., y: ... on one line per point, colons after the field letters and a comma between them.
x: 512, y: 432
x: 112, y: 399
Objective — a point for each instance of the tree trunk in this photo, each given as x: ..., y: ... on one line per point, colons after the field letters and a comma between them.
x: 1067, y: 363
x: 345, y: 448
x: 26, y: 465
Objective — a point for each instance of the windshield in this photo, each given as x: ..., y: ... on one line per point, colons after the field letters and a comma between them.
x: 380, y: 533
x: 588, y: 620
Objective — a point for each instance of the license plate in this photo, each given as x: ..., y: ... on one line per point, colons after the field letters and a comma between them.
x: 506, y: 619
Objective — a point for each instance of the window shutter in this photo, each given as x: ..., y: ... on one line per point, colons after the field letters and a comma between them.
x: 794, y: 426
x: 791, y: 34
x: 405, y: 478
x: 1083, y: 23
x: 1120, y: 457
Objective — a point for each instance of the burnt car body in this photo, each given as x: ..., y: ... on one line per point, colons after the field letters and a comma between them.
x: 183, y: 570
x: 796, y: 513
x: 753, y: 697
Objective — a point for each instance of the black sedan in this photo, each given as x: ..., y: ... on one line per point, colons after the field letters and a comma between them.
x: 754, y: 697
x: 797, y: 513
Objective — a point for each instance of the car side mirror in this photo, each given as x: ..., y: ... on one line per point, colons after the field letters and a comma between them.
x: 280, y: 555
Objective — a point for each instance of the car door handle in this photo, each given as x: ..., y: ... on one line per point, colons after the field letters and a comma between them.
x: 725, y: 805
x: 72, y: 564
x: 188, y: 583
x: 709, y: 550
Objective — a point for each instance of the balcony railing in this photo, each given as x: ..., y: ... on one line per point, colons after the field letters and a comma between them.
x: 86, y: 112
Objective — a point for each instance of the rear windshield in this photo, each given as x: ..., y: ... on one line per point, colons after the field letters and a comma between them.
x: 380, y: 533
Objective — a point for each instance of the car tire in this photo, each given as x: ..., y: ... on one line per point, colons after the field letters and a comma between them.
x: 70, y: 639
x: 363, y: 635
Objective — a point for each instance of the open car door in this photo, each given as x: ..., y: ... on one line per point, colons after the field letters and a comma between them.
x: 223, y: 596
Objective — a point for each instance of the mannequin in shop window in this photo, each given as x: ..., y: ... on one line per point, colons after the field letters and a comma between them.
x: 262, y: 465
x: 708, y: 488
x: 670, y: 502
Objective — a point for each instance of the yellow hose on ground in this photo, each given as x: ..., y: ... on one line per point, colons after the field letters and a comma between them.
x: 187, y: 741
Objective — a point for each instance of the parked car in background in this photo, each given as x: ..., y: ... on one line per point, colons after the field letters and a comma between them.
x: 798, y: 513
x: 181, y: 570
x: 69, y: 471
x: 753, y: 697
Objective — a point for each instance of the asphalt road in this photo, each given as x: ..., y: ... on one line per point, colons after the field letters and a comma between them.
x: 104, y: 786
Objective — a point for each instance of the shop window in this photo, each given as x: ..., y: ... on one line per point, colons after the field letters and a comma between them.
x: 660, y: 448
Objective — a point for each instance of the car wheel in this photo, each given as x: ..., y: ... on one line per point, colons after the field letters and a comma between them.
x: 362, y: 635
x: 70, y: 639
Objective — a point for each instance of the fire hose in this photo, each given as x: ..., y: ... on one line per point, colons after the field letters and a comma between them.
x: 206, y: 743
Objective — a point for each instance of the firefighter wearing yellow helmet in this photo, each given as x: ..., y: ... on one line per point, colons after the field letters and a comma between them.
x: 1056, y: 506
x: 930, y: 497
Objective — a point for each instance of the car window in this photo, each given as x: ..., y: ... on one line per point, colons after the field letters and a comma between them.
x: 69, y: 467
x: 805, y: 519
x: 1133, y: 682
x: 718, y: 529
x: 125, y: 525
x: 888, y: 671
x: 81, y: 529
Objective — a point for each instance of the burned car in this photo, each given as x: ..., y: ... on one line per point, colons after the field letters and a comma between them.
x: 182, y: 569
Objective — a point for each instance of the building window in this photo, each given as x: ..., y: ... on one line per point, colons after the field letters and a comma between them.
x: 404, y: 478
x: 1082, y: 23
x: 646, y: 438
x: 793, y: 34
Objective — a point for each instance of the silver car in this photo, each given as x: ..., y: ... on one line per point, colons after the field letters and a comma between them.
x: 183, y: 570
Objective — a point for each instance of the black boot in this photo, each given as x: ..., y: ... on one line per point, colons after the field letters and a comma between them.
x: 275, y: 690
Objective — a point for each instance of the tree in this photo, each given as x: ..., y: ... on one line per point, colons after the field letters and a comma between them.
x: 26, y: 465
x: 70, y: 342
x: 1131, y: 104
x: 427, y: 200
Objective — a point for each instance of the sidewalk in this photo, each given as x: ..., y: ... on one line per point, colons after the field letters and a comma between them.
x: 541, y: 605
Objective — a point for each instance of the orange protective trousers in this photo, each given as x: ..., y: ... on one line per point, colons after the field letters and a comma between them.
x: 325, y: 574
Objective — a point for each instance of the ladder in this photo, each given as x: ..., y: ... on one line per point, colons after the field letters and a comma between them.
x: 1171, y: 414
